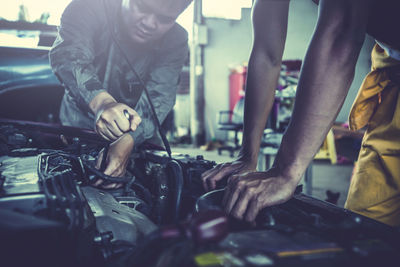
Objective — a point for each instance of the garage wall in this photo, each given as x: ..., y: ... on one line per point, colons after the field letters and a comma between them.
x: 230, y: 44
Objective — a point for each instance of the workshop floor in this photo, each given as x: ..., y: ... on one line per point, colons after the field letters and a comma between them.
x: 325, y: 176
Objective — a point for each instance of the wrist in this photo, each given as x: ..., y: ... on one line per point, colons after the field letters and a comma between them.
x: 128, y: 139
x: 250, y: 149
x: 100, y: 101
x: 124, y: 144
x: 291, y: 173
x: 289, y: 166
x: 249, y: 157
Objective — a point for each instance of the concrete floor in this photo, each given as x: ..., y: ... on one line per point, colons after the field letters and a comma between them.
x: 325, y: 176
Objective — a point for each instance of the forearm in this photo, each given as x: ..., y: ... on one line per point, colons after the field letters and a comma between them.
x: 100, y: 101
x: 73, y: 66
x: 324, y: 82
x: 269, y: 28
x: 262, y: 79
x: 72, y: 54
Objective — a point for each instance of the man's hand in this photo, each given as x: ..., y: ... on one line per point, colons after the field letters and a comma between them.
x: 111, y: 122
x: 211, y: 177
x: 248, y: 193
x: 117, y: 159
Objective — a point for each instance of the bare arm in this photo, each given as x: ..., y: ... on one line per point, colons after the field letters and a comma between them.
x: 269, y: 30
x: 326, y: 76
x: 269, y: 27
x: 325, y: 79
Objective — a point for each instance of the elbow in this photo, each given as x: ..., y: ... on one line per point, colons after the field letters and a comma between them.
x: 273, y: 59
x: 344, y: 34
x: 347, y: 47
x: 265, y: 58
x: 341, y: 42
x: 266, y: 53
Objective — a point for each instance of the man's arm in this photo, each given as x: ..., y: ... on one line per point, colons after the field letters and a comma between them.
x: 162, y: 83
x: 270, y: 25
x: 72, y: 54
x: 269, y: 29
x: 72, y: 59
x: 326, y: 76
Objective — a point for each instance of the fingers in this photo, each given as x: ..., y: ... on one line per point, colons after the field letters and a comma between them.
x: 116, y: 163
x: 211, y: 177
x: 116, y: 127
x: 99, y: 131
x: 228, y: 190
x: 98, y: 183
x: 104, y: 132
x: 113, y: 123
x: 112, y: 131
x: 116, y: 120
x: 135, y: 120
x: 242, y: 195
x: 99, y: 159
x: 114, y: 169
x: 240, y: 206
x: 111, y: 186
x: 204, y: 178
x: 242, y: 202
x: 208, y: 176
x: 246, y: 194
x: 252, y: 210
x: 232, y: 195
x: 98, y: 166
x: 110, y: 170
x: 122, y: 122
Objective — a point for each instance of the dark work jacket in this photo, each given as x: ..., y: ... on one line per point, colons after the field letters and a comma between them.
x: 88, y: 62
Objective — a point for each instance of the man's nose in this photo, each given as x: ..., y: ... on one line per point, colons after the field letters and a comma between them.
x: 150, y: 22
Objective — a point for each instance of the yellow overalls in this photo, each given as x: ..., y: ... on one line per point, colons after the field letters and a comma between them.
x: 375, y: 186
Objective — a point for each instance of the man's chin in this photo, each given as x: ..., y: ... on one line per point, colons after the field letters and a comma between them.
x: 141, y: 39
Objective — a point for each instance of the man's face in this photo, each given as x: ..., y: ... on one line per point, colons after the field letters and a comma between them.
x: 148, y: 20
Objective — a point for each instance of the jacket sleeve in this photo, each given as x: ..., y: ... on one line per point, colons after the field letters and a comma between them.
x: 162, y: 86
x: 72, y: 54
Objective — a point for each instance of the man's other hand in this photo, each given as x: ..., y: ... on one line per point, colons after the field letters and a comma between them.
x: 211, y: 177
x: 248, y: 193
x: 112, y: 123
x: 116, y: 161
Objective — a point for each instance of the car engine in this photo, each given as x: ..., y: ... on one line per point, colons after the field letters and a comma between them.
x: 46, y: 176
x: 51, y: 215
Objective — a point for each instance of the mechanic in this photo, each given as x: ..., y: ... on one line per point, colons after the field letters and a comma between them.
x: 99, y: 84
x: 326, y: 76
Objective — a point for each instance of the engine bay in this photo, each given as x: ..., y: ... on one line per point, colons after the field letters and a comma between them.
x: 51, y: 215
